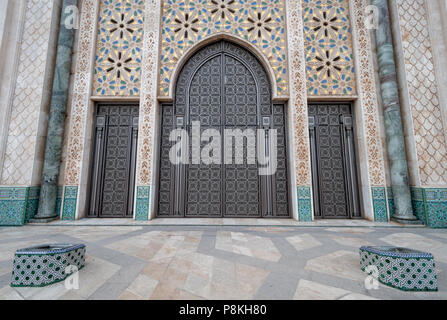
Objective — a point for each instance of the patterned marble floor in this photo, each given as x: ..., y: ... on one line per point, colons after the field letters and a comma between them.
x: 221, y: 262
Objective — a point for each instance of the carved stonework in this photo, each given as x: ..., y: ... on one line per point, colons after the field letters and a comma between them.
x: 367, y: 93
x: 148, y: 92
x: 80, y: 101
x: 154, y: 52
x: 298, y: 96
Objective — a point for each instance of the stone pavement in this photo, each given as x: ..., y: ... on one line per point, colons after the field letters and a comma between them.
x: 221, y: 262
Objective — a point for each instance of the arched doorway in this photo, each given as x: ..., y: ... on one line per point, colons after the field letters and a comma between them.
x: 223, y: 88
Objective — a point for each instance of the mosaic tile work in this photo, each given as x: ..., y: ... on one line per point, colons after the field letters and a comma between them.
x: 143, y: 203
x: 17, y: 205
x: 34, y: 267
x: 259, y: 22
x: 304, y: 204
x: 379, y: 204
x: 69, y: 204
x: 429, y: 133
x: 430, y: 206
x: 328, y: 47
x: 119, y: 48
x: 436, y: 207
x: 413, y: 271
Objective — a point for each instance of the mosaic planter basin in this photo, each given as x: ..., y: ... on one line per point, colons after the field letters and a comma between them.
x: 401, y: 268
x: 44, y: 265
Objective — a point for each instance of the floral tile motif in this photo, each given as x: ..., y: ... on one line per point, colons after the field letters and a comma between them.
x: 119, y: 48
x: 328, y: 47
x: 260, y: 22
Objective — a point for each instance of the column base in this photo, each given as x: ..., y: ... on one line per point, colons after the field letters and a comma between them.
x: 44, y: 220
x: 409, y: 221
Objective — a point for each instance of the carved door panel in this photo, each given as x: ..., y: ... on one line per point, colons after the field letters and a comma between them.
x: 222, y: 87
x: 333, y: 162
x: 114, y: 156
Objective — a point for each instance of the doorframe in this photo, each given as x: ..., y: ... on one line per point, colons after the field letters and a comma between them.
x: 352, y: 105
x: 91, y: 164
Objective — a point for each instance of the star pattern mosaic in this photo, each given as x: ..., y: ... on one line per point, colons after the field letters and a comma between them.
x: 119, y: 48
x: 328, y: 48
x: 187, y: 22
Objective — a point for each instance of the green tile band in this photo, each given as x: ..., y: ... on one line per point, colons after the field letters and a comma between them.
x: 70, y: 201
x: 304, y: 204
x: 379, y: 204
x: 143, y: 203
x: 18, y: 205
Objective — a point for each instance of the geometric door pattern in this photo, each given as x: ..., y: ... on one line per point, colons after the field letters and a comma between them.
x: 114, y: 161
x: 333, y: 169
x: 222, y: 87
x: 204, y: 187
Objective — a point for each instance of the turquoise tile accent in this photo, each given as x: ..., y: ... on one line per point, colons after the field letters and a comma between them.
x: 379, y: 204
x: 69, y: 205
x: 13, y: 206
x: 143, y: 203
x: 304, y: 204
x: 18, y: 205
x: 430, y: 206
x: 436, y: 207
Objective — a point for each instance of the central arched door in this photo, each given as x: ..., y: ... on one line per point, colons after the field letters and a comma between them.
x: 223, y: 87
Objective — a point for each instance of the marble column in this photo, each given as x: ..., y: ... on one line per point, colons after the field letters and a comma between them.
x: 56, y: 125
x: 393, y: 120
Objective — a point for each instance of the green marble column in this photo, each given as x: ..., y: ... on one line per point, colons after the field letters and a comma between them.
x: 55, y: 133
x: 393, y: 120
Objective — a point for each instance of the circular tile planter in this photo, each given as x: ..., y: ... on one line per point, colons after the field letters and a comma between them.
x: 44, y: 265
x: 401, y: 268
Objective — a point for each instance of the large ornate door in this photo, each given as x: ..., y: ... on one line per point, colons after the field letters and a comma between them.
x: 114, y: 159
x: 222, y: 87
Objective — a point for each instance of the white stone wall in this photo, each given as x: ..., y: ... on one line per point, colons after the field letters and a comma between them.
x: 28, y: 102
x: 11, y: 23
x: 419, y: 43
